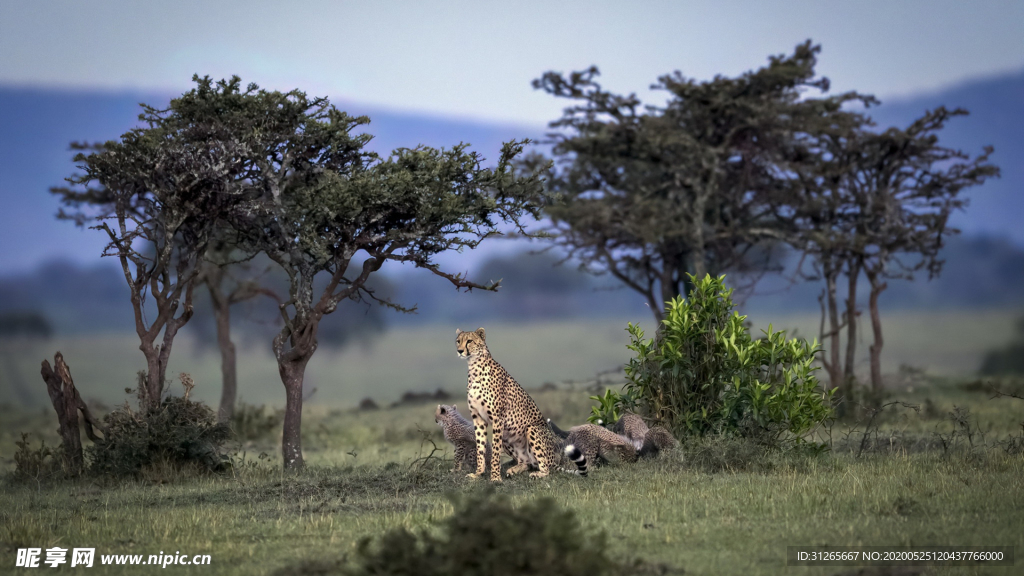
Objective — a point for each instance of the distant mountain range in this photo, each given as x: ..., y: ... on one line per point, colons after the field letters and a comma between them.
x: 36, y: 126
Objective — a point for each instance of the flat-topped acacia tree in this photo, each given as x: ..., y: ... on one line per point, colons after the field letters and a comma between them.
x: 318, y: 203
x: 158, y: 194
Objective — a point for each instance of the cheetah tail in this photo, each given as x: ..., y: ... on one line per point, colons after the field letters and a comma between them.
x: 556, y: 430
x: 577, y: 458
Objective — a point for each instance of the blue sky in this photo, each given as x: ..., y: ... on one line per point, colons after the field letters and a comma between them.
x: 476, y: 59
x: 472, y: 61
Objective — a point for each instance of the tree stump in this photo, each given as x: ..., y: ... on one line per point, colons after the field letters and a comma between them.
x: 67, y: 402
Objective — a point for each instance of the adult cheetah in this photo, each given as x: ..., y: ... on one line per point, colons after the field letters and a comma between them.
x: 498, y: 401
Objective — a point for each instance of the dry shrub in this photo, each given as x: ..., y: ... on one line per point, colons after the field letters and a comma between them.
x: 35, y: 463
x: 180, y: 435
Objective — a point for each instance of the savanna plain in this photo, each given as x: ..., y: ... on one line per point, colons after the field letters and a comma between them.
x: 942, y: 464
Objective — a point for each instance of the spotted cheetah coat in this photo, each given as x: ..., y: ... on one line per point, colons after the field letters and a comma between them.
x: 458, y: 431
x: 497, y: 401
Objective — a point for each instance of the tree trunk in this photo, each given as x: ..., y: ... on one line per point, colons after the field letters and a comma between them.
x: 292, y: 374
x: 149, y: 397
x: 876, y: 327
x: 697, y: 258
x: 228, y: 362
x: 64, y: 397
x: 851, y: 323
x: 849, y: 378
x: 669, y: 285
x: 832, y: 365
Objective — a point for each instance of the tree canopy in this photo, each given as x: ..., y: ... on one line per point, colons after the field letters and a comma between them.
x: 317, y: 203
x: 158, y: 193
x: 653, y: 193
x: 287, y: 176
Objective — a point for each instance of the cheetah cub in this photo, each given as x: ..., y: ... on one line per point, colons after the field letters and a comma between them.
x: 458, y: 431
x: 498, y: 401
x: 647, y: 440
x: 596, y: 443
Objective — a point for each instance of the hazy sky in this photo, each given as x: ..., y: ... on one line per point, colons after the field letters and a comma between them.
x: 476, y: 58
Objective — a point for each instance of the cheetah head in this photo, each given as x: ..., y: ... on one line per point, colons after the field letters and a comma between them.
x: 469, y: 343
x: 444, y: 412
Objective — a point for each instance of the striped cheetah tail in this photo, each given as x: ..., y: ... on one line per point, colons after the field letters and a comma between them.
x: 577, y: 458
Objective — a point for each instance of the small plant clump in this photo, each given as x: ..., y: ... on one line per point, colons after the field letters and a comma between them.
x: 704, y: 374
x: 609, y: 407
x: 249, y: 422
x: 487, y: 535
x: 35, y: 463
x: 179, y: 433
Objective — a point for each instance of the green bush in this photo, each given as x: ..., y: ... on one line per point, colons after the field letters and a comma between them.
x: 249, y: 422
x: 35, y: 463
x: 704, y: 374
x: 180, y: 435
x: 487, y: 535
x: 610, y: 407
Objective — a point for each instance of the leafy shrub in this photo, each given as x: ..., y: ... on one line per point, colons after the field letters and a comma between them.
x: 35, y: 463
x: 181, y: 434
x: 703, y: 373
x: 609, y: 407
x: 487, y: 535
x: 251, y: 422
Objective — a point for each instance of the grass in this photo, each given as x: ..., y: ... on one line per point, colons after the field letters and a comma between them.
x: 948, y: 343
x: 712, y: 507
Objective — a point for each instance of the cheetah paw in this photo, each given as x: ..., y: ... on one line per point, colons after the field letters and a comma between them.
x: 538, y: 474
x: 473, y: 475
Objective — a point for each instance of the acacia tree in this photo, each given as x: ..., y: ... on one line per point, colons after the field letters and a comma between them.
x: 319, y: 204
x: 231, y: 279
x: 905, y: 186
x: 226, y: 291
x: 652, y: 194
x: 821, y: 212
x: 876, y: 203
x: 157, y: 194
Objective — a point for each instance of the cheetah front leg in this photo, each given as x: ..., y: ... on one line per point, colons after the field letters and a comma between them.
x: 496, y: 429
x: 480, y: 434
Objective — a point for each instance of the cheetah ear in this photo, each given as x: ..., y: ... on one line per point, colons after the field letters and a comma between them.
x: 480, y: 331
x: 443, y: 411
x: 458, y: 331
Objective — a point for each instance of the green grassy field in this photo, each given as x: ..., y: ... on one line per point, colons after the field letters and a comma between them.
x: 423, y: 358
x: 709, y: 508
